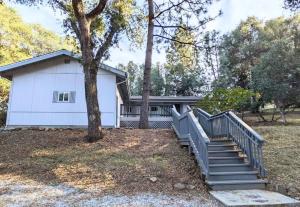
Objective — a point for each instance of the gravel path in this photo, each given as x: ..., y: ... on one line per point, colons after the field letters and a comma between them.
x: 34, y: 194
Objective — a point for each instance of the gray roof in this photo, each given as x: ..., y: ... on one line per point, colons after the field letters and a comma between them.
x: 41, y: 58
x: 167, y: 99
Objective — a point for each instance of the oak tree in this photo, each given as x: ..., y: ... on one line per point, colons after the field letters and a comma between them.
x: 97, y: 26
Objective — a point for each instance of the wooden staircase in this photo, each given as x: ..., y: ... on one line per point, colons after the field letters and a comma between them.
x: 229, y: 168
x: 227, y: 150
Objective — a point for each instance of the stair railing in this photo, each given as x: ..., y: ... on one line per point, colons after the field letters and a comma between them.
x: 229, y: 125
x: 187, y: 126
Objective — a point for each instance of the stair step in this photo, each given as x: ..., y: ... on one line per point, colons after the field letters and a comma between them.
x: 224, y: 153
x: 219, y: 138
x: 221, y: 142
x: 184, y: 142
x: 222, y: 176
x: 237, y: 184
x: 229, y: 167
x: 226, y: 160
x: 221, y: 147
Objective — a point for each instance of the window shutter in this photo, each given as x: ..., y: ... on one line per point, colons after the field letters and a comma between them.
x: 72, y: 96
x: 55, y: 96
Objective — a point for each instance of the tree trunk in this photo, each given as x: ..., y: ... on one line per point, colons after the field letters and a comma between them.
x: 91, y: 96
x: 282, y: 114
x: 273, y: 114
x: 90, y: 68
x: 147, y: 71
x: 261, y: 116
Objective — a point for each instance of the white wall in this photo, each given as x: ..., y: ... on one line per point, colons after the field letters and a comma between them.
x: 119, y: 102
x: 31, y: 100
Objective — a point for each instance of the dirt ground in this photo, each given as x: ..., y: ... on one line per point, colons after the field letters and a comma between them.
x: 121, y: 163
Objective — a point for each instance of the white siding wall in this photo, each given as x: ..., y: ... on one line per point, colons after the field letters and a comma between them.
x: 31, y: 100
x: 119, y: 102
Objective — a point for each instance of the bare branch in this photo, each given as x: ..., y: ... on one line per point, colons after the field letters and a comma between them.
x: 172, y: 26
x: 175, y: 40
x: 169, y: 8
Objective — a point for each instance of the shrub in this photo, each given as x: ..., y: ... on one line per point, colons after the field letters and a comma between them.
x: 222, y: 99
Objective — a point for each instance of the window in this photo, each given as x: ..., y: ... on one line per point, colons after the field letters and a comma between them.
x: 63, y: 97
x: 154, y: 108
x: 67, y: 60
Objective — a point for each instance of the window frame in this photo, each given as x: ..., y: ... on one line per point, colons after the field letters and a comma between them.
x: 63, y: 93
x: 153, y: 107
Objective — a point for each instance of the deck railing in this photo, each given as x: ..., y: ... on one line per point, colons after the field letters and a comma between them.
x: 187, y: 126
x: 154, y: 110
x: 227, y: 124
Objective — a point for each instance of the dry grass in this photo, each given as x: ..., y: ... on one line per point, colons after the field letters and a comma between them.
x: 293, y: 119
x: 120, y: 163
x: 282, y: 148
x: 282, y: 154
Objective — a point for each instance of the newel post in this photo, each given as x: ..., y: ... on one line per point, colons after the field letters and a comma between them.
x: 211, y: 127
x: 250, y: 151
x: 227, y: 127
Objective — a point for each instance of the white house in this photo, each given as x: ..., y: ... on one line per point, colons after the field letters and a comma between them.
x: 48, y: 91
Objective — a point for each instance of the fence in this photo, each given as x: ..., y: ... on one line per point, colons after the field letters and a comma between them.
x: 154, y: 110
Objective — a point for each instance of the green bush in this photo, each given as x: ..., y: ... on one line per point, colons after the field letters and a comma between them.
x: 222, y: 99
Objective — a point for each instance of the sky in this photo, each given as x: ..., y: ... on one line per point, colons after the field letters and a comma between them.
x: 234, y: 11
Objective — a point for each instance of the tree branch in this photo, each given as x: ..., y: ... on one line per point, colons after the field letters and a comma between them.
x: 109, y: 36
x: 97, y: 10
x: 175, y: 40
x: 172, y: 26
x: 75, y: 28
x: 78, y: 9
x: 169, y: 8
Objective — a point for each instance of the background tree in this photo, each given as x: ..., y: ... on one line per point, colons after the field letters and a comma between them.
x: 183, y: 75
x: 264, y: 59
x: 4, y: 92
x: 133, y: 73
x: 239, y: 51
x: 164, y: 18
x: 157, y: 81
x: 277, y: 77
x: 21, y: 40
x: 182, y: 81
x: 293, y: 5
x: 96, y: 26
x: 210, y: 54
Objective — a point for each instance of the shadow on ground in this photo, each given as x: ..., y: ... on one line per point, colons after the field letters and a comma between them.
x: 122, y: 162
